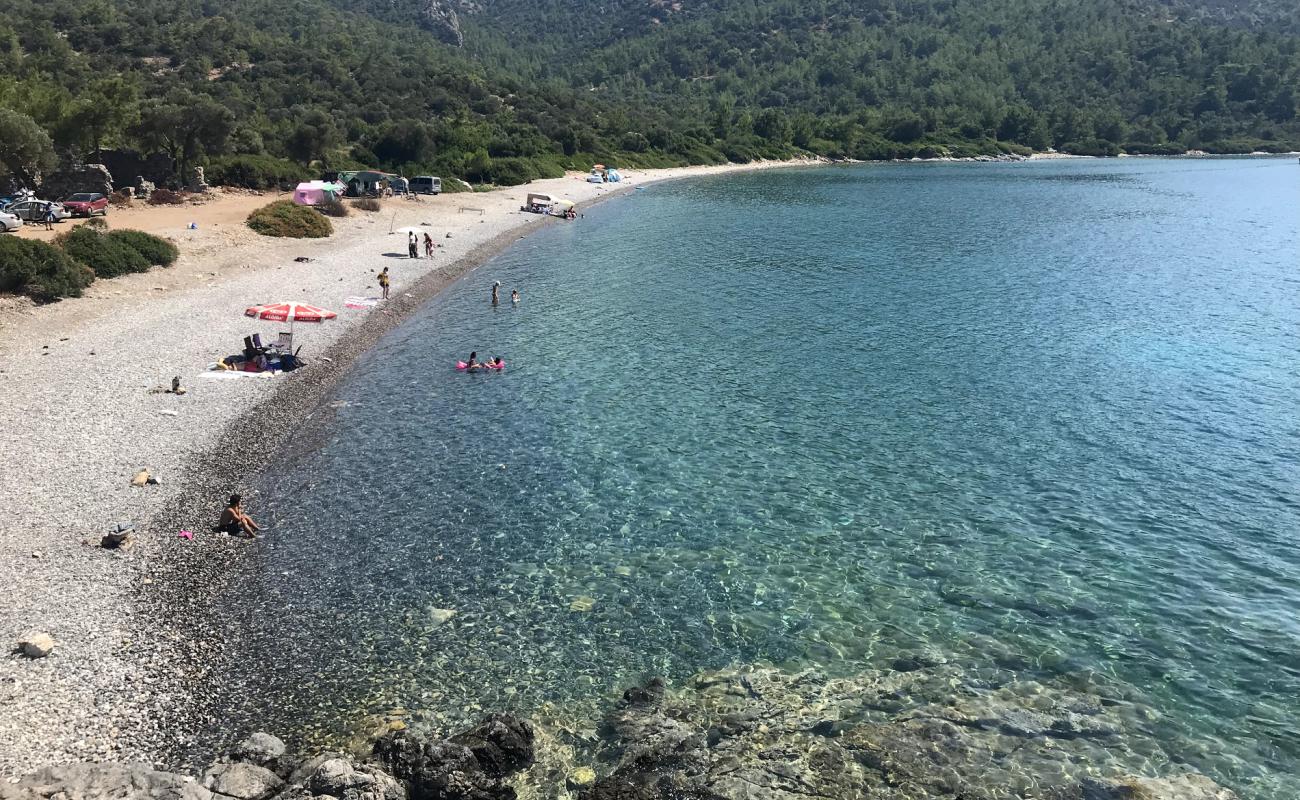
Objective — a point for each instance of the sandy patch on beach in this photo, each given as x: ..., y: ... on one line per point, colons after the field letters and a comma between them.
x: 81, y: 416
x: 212, y: 211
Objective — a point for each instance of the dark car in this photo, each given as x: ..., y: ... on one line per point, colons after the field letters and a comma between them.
x: 85, y: 204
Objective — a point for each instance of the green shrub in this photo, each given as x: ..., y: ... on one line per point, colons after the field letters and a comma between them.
x: 41, y: 271
x: 107, y: 256
x: 254, y: 172
x: 285, y: 218
x: 368, y: 204
x: 1090, y: 147
x: 515, y: 171
x: 155, y: 250
x: 333, y: 208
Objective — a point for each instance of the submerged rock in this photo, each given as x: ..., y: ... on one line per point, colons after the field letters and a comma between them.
x: 436, y: 769
x: 925, y: 732
x: 501, y: 744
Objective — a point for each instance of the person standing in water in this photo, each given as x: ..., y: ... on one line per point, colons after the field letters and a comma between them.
x: 496, y: 293
x: 383, y: 282
x: 514, y: 296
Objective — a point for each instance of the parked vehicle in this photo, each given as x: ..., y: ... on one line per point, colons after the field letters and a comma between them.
x: 34, y: 210
x: 9, y: 199
x: 9, y: 222
x: 86, y: 204
x: 426, y: 184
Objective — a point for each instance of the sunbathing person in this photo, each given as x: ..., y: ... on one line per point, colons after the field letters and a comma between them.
x: 235, y: 521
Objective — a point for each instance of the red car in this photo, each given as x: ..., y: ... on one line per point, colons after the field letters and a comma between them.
x: 85, y: 204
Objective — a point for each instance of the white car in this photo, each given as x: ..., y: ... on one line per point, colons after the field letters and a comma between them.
x: 35, y: 210
x: 9, y: 222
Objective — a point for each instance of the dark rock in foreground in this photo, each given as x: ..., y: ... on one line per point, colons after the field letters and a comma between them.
x: 927, y: 731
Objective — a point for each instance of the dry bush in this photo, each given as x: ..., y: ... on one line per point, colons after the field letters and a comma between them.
x: 166, y: 197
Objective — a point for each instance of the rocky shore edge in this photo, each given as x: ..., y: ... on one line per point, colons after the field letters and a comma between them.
x: 919, y: 730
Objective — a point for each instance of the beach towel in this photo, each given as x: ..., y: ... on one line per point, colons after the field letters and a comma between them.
x: 361, y: 302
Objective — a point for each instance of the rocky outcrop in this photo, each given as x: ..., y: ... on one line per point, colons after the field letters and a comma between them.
x: 469, y: 766
x: 95, y: 781
x: 921, y: 730
x: 86, y: 178
x: 501, y: 744
x: 440, y: 18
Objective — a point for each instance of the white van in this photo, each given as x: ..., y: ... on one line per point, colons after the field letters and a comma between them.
x: 426, y: 184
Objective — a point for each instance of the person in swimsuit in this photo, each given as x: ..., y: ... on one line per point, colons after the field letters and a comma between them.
x: 473, y: 364
x: 514, y: 296
x: 383, y: 282
x: 496, y: 363
x: 496, y: 293
x: 235, y: 521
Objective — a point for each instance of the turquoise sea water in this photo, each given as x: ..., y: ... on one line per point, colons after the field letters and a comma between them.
x: 1038, y: 417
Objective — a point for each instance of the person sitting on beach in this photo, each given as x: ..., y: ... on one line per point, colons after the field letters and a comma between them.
x: 235, y: 521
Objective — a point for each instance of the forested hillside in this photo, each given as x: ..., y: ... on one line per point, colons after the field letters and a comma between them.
x: 856, y: 78
x: 263, y: 91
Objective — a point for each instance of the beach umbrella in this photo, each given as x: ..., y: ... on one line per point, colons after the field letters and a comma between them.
x: 289, y: 312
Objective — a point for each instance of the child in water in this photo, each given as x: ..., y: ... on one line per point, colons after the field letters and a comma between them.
x: 514, y: 296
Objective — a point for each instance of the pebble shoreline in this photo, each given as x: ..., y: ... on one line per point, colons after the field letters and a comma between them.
x: 81, y: 416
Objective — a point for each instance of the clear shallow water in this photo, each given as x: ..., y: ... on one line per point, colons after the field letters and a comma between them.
x: 1040, y: 417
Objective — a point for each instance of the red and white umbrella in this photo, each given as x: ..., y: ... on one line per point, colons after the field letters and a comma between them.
x: 289, y: 312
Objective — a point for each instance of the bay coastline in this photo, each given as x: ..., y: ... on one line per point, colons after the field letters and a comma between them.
x: 172, y: 720
x: 79, y: 379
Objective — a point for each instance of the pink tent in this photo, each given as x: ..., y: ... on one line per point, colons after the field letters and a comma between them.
x: 313, y: 193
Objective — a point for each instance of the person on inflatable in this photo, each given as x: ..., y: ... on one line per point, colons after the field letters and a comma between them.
x: 473, y: 364
x: 497, y: 363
